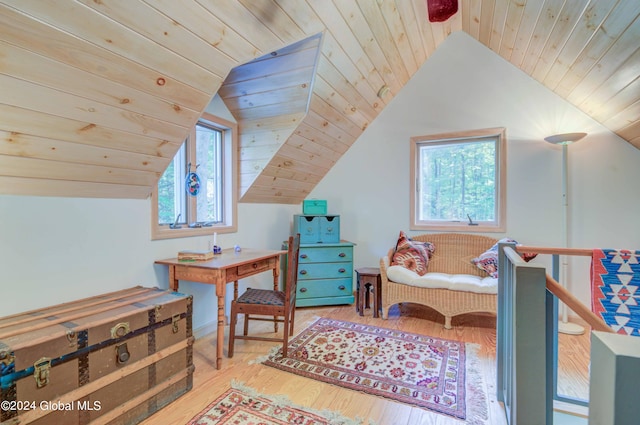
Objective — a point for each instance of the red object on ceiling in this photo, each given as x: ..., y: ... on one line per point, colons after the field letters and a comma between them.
x: 441, y: 10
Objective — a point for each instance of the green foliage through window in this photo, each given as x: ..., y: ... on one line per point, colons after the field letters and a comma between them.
x: 457, y: 181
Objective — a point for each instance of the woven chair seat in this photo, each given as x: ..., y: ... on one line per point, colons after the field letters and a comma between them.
x: 262, y: 296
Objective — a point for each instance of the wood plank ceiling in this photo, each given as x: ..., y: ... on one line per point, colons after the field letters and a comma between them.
x: 97, y: 95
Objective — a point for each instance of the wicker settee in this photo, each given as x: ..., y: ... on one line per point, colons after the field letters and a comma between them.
x: 452, y: 256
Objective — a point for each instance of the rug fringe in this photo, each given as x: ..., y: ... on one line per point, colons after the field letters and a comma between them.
x: 477, y: 403
x: 274, y: 350
x: 261, y: 359
x: 281, y: 400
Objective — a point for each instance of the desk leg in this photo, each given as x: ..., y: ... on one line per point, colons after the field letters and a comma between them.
x: 173, y: 282
x: 276, y: 274
x: 220, y: 294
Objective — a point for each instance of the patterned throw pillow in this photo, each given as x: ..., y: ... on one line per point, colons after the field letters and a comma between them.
x: 412, y: 255
x: 488, y: 260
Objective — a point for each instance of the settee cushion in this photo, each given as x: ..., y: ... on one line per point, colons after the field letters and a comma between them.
x: 455, y: 282
x: 488, y: 260
x: 412, y: 255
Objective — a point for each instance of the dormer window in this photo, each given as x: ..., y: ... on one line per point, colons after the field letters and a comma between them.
x: 196, y: 194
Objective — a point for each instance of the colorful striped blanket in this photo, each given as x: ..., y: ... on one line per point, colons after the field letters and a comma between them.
x: 615, y: 289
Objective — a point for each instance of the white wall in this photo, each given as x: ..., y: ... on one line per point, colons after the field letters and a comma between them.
x: 54, y: 250
x: 466, y: 86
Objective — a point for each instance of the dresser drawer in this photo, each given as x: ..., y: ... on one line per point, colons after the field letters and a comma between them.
x: 324, y: 288
x: 317, y: 228
x: 325, y: 254
x: 325, y: 271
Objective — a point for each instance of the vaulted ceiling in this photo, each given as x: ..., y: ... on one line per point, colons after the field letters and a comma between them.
x: 97, y: 95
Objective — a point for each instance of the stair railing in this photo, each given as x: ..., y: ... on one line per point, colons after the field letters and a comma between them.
x: 527, y: 333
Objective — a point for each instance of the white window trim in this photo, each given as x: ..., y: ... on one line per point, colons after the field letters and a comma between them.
x: 500, y: 223
x: 231, y: 189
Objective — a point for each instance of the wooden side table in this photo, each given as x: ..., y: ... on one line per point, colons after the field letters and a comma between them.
x: 368, y: 278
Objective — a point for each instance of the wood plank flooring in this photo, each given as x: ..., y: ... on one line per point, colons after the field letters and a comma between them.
x: 209, y: 382
x: 574, y: 356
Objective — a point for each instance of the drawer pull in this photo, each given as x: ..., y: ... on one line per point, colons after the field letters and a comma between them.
x: 303, y: 289
x: 303, y: 272
x: 341, y: 270
x: 341, y: 287
x: 303, y: 255
x: 255, y: 265
x: 342, y: 254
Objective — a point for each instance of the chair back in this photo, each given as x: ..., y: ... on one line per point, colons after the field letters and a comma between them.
x: 291, y: 282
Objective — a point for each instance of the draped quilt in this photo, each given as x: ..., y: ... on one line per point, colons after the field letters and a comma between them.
x: 615, y: 293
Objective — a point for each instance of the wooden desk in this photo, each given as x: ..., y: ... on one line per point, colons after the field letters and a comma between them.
x: 230, y: 266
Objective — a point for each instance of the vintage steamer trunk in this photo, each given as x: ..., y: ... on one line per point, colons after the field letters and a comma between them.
x: 112, y: 359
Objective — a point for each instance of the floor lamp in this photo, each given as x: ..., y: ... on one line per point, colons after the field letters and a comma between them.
x: 564, y: 326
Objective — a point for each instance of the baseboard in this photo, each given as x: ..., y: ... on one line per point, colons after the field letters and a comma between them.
x: 207, y: 328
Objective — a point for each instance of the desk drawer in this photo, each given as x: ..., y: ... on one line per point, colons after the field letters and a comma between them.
x: 249, y: 269
x: 255, y: 267
x: 325, y: 271
x: 323, y: 288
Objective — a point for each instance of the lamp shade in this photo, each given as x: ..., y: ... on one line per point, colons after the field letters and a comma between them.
x: 565, y: 138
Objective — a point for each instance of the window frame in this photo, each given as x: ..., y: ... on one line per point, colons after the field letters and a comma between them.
x: 230, y: 184
x: 499, y: 225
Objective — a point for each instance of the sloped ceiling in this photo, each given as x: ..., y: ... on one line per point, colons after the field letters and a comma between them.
x: 269, y: 97
x: 97, y: 95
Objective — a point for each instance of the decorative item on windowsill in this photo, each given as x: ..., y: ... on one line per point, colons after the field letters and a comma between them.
x: 175, y: 224
x: 192, y: 182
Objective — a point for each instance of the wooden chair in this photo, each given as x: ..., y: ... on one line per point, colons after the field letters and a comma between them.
x: 268, y: 302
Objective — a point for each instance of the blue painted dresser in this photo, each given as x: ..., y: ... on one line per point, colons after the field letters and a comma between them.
x: 325, y: 274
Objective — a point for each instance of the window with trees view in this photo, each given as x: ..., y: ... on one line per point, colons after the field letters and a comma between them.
x: 209, y: 152
x: 459, y: 181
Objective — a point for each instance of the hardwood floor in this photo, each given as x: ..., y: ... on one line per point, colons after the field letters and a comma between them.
x: 209, y: 382
x: 574, y: 356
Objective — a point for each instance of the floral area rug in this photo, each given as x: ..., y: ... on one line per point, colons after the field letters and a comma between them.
x: 241, y: 405
x: 435, y: 374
